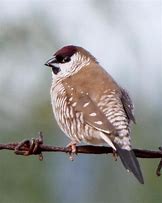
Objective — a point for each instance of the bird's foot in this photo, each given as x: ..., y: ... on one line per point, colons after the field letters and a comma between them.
x: 29, y: 147
x: 73, y: 152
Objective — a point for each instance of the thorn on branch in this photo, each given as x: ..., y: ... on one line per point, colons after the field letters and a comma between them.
x: 158, y: 173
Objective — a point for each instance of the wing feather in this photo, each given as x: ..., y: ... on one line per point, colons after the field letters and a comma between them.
x: 127, y: 105
x: 94, y: 116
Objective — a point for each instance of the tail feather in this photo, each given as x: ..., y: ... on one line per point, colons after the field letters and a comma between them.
x: 130, y: 162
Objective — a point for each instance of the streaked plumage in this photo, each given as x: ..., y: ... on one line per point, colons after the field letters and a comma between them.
x: 90, y: 106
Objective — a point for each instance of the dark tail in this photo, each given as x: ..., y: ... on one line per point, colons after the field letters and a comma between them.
x: 130, y: 162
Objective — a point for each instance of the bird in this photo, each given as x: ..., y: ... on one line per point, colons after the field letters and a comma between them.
x: 89, y: 105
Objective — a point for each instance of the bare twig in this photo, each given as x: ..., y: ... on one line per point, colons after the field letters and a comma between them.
x: 36, y: 147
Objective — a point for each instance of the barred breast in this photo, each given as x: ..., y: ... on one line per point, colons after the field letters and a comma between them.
x: 64, y: 113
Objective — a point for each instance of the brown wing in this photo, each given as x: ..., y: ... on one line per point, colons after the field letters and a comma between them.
x: 128, y: 105
x: 93, y: 116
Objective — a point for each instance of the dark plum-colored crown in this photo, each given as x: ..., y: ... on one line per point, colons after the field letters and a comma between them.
x: 66, y: 51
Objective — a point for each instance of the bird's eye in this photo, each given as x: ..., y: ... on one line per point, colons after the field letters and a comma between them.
x: 66, y: 59
x: 62, y: 59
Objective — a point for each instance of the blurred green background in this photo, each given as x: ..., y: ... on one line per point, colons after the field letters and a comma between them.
x: 126, y: 37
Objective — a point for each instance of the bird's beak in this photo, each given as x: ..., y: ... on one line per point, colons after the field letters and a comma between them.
x: 53, y: 64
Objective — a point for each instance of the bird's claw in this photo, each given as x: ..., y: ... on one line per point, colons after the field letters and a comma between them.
x: 29, y: 147
x: 73, y: 150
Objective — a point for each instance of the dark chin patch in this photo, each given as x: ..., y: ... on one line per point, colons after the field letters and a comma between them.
x: 55, y: 70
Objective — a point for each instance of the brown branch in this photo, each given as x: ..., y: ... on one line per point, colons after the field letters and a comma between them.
x: 36, y: 147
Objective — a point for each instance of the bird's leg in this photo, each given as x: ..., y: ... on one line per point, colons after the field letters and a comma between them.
x: 115, y: 155
x: 72, y: 146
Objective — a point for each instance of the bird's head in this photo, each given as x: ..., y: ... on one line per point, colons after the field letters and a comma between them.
x: 69, y: 60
